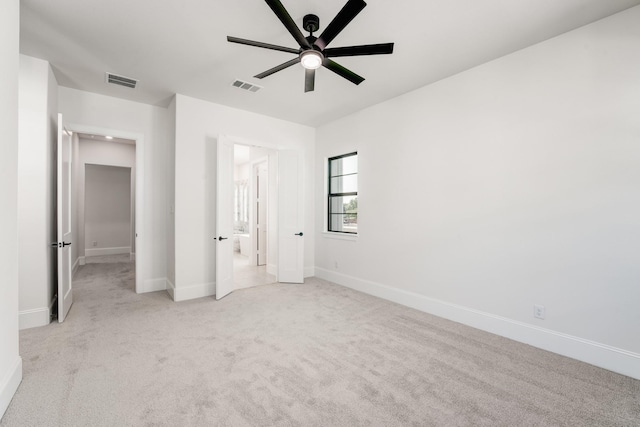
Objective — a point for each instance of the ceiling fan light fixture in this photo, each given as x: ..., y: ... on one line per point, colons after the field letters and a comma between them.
x: 313, y: 52
x: 311, y: 59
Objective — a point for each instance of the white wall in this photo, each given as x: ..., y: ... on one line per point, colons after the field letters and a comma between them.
x: 95, y: 152
x: 36, y: 190
x: 107, y: 210
x: 99, y: 111
x: 10, y: 361
x: 512, y: 184
x: 198, y: 124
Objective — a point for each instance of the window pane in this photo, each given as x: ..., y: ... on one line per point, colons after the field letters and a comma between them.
x: 346, y: 223
x: 344, y: 165
x: 344, y: 184
x: 343, y: 205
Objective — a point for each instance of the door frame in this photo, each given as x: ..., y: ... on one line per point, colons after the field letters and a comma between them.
x: 277, y: 148
x: 253, y: 211
x: 141, y: 252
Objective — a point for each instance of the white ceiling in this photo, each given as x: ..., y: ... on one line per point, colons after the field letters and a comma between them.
x: 178, y: 46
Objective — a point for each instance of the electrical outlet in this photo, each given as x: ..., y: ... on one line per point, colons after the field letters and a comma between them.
x: 538, y: 311
x: 95, y: 243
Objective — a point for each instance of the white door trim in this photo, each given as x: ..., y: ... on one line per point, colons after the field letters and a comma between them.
x: 141, y: 255
x: 277, y: 148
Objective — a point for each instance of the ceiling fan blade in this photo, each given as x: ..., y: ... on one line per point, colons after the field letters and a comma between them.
x: 342, y: 19
x: 286, y: 19
x: 309, y: 80
x: 260, y: 44
x: 343, y: 72
x: 369, y: 49
x: 278, y: 68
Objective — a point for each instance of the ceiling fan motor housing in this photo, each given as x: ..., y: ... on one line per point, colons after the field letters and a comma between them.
x: 311, y: 23
x: 313, y: 52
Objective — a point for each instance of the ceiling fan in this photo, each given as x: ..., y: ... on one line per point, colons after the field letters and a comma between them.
x: 313, y: 52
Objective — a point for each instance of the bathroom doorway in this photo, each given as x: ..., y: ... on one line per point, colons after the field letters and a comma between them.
x: 253, y: 262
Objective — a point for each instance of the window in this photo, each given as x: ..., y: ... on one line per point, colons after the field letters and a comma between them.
x: 343, y: 194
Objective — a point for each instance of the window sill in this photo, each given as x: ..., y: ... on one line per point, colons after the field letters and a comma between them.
x: 340, y: 236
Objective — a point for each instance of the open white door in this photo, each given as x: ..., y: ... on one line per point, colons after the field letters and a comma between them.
x: 290, y: 218
x: 65, y: 289
x: 224, y: 218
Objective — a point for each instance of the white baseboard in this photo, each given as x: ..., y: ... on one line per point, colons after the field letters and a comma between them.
x: 614, y: 359
x: 309, y: 271
x: 107, y: 251
x: 180, y: 293
x: 82, y: 260
x: 9, y: 385
x: 153, y: 285
x: 74, y: 269
x: 272, y: 269
x: 192, y: 292
x: 34, y: 318
x: 171, y: 289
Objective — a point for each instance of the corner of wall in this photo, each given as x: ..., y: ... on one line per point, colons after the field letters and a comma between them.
x: 10, y: 361
x: 171, y: 289
x: 153, y: 285
x: 191, y: 292
x: 9, y: 385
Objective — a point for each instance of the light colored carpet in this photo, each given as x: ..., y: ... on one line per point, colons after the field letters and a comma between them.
x: 292, y: 355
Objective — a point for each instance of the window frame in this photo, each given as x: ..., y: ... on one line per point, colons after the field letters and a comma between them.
x: 329, y: 194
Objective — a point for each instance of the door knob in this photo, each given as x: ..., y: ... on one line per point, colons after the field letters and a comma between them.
x: 60, y: 244
x: 299, y: 234
x: 220, y: 238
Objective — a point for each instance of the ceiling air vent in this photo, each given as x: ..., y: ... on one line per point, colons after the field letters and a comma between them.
x: 121, y: 80
x: 246, y: 86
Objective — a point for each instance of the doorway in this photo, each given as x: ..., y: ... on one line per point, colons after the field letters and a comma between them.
x: 108, y: 213
x: 106, y: 200
x: 253, y: 225
x: 285, y: 213
x: 113, y: 138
